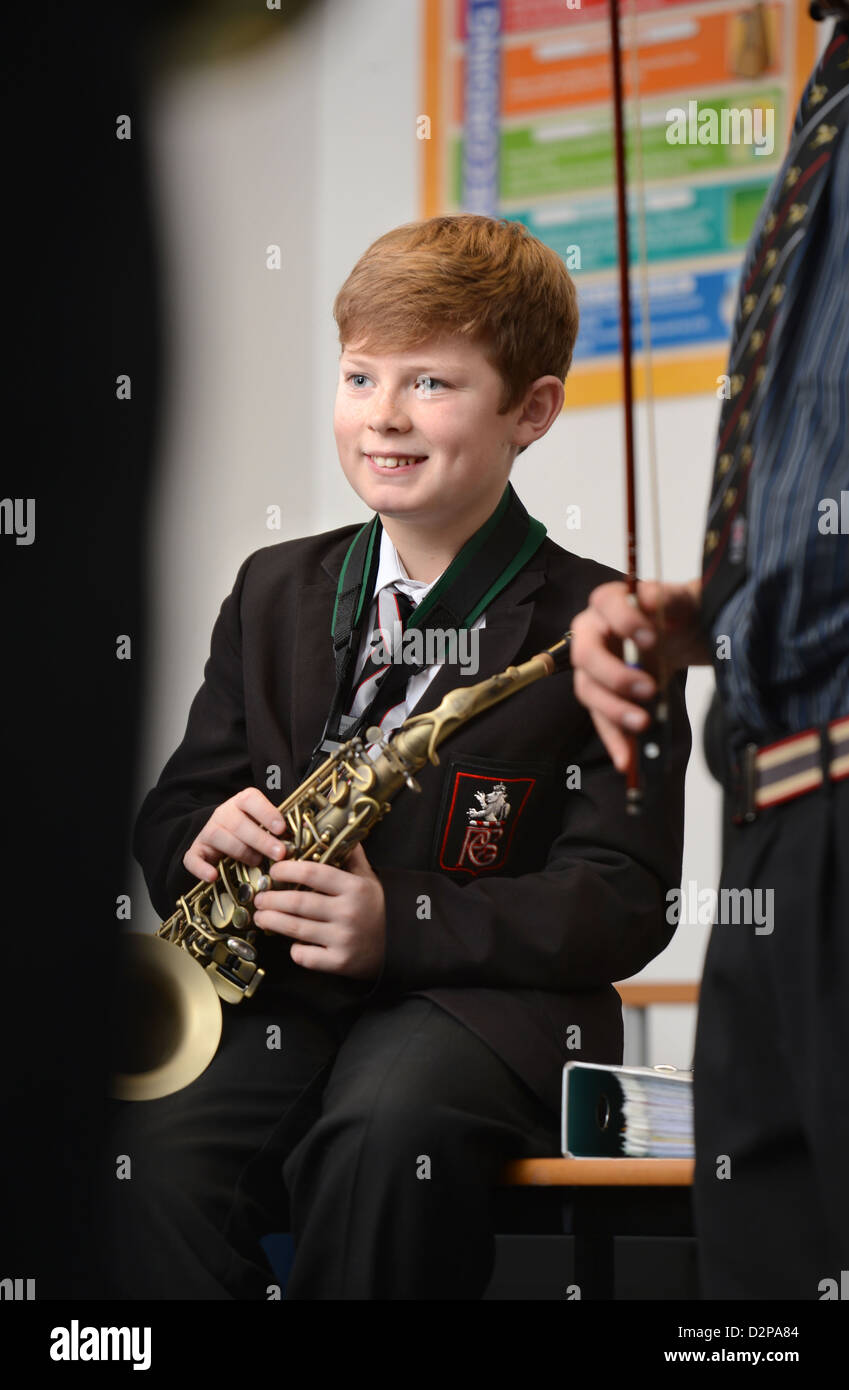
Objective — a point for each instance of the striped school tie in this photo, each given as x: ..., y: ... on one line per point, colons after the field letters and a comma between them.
x: 769, y: 279
x: 382, y: 683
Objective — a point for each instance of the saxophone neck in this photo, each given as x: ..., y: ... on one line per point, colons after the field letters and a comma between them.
x: 464, y: 703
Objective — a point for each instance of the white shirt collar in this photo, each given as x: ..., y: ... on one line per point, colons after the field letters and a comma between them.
x: 390, y: 570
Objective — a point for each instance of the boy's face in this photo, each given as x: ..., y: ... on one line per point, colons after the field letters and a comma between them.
x: 437, y: 404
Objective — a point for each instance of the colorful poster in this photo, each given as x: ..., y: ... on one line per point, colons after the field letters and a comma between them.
x: 519, y: 97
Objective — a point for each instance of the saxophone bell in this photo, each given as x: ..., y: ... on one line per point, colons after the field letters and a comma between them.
x: 168, y: 1021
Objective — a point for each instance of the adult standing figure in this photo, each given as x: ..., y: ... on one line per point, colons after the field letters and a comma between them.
x: 770, y: 611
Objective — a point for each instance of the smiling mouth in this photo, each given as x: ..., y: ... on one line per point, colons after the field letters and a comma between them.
x: 401, y: 463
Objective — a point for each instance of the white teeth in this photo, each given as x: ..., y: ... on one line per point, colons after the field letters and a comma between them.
x: 394, y: 462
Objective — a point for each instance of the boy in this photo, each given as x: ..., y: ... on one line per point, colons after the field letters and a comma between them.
x: 428, y: 993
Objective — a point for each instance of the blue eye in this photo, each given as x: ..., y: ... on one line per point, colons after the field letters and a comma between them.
x: 427, y: 388
x: 424, y: 385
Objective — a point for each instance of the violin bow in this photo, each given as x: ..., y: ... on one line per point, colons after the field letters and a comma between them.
x: 645, y: 746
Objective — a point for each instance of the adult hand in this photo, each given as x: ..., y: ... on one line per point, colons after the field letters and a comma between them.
x: 604, y: 682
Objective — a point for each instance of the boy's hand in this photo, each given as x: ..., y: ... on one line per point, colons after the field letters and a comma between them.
x: 604, y: 682
x: 239, y: 828
x: 340, y: 927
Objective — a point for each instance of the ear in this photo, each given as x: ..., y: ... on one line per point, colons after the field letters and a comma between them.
x: 542, y: 405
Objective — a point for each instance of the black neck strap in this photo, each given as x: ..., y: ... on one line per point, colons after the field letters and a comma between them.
x: 480, y: 570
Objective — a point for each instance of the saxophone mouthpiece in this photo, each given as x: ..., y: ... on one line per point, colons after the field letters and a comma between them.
x: 559, y: 653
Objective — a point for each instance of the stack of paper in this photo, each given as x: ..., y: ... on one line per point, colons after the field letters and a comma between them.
x: 657, y: 1114
x: 634, y: 1112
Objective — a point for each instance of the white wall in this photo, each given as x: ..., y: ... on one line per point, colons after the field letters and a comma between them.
x: 309, y: 143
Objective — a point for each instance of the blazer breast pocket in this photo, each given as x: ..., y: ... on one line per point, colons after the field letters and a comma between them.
x: 495, y: 816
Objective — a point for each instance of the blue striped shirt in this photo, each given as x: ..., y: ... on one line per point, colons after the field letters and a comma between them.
x: 789, y: 620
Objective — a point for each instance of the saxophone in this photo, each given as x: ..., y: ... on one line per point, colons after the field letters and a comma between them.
x: 174, y: 996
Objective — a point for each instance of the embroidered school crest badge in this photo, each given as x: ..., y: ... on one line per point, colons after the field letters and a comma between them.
x: 493, y: 806
x: 482, y: 816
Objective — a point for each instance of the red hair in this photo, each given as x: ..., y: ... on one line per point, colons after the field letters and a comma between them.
x: 486, y: 279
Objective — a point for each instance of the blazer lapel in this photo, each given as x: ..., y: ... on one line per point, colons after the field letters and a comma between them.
x: 508, y: 619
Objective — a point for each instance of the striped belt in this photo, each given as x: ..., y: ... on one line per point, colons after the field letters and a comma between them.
x: 791, y: 767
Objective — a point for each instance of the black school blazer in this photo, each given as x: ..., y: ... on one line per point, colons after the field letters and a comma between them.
x: 532, y: 916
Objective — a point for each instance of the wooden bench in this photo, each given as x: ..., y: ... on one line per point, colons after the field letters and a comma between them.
x: 594, y: 1200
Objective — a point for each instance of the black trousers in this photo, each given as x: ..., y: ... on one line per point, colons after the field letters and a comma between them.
x: 374, y: 1134
x: 771, y: 1065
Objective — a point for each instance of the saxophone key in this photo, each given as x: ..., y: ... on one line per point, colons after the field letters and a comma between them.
x: 258, y: 880
x: 241, y: 948
x: 221, y: 913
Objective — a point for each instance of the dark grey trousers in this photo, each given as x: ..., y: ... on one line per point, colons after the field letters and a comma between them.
x: 374, y: 1134
x: 771, y: 1066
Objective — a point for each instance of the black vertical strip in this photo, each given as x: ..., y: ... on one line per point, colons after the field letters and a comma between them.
x: 85, y: 308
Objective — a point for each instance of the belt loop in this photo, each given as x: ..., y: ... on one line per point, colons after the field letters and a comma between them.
x: 745, y: 810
